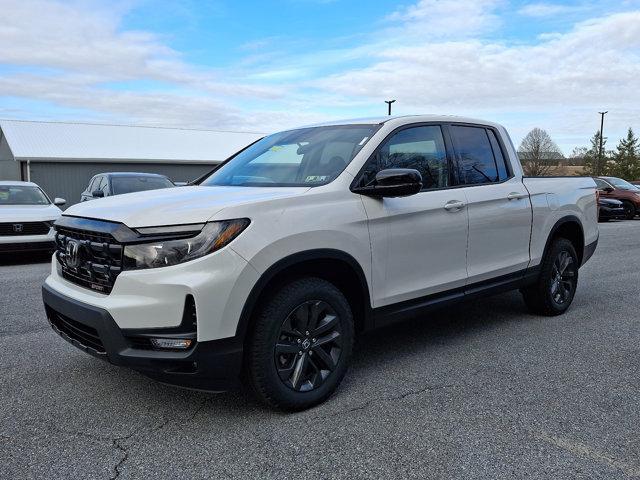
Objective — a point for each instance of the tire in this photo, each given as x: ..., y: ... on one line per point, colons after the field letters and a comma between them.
x: 629, y: 210
x: 555, y: 288
x: 278, y: 373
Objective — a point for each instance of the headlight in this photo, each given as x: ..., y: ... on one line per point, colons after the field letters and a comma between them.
x: 162, y: 253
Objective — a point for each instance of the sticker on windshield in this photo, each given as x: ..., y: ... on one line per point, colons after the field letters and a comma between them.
x: 316, y: 178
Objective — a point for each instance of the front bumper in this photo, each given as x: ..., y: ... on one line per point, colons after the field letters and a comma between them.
x: 27, y: 243
x: 210, y: 365
x: 611, y: 213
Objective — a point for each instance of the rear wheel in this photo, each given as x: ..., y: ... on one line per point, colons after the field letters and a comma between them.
x: 555, y: 288
x: 629, y: 210
x: 301, y: 345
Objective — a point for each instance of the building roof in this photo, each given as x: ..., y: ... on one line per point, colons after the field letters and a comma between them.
x: 61, y: 141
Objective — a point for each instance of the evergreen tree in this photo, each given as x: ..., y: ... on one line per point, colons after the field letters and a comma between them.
x: 593, y: 165
x: 626, y: 159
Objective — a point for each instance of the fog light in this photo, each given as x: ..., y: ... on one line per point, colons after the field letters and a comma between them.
x: 172, y: 343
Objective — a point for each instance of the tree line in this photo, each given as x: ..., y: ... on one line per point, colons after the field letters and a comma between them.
x: 541, y: 156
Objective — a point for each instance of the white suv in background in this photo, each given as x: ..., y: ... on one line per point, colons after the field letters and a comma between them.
x: 274, y: 262
x: 26, y: 217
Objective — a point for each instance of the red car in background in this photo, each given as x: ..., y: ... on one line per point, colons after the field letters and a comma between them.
x: 619, y: 189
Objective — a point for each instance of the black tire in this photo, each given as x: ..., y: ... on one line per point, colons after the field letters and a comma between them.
x: 629, y: 210
x: 278, y: 373
x: 555, y: 288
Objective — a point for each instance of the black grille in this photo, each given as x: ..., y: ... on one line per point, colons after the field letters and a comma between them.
x: 97, y: 260
x: 25, y: 228
x: 85, y: 335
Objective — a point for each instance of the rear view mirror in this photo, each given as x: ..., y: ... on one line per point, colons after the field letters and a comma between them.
x: 393, y: 182
x: 59, y: 201
x: 97, y: 194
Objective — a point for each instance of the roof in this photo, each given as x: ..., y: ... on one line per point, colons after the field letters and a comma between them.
x: 131, y: 174
x: 61, y: 141
x: 13, y: 183
x: 400, y: 119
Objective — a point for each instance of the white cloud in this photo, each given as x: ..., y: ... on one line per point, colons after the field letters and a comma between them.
x: 547, y: 9
x: 433, y: 56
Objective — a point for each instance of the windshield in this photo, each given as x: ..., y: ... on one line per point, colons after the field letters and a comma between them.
x: 623, y: 184
x: 122, y: 185
x: 22, y: 195
x: 304, y: 157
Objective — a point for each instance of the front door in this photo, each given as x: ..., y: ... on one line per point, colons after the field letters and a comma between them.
x: 418, y: 242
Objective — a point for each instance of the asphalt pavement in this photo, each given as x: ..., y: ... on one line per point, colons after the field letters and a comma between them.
x: 484, y: 390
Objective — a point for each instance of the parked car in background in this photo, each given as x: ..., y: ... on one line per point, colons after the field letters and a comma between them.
x: 619, y: 189
x: 610, y: 209
x: 26, y: 217
x: 273, y: 263
x: 117, y: 183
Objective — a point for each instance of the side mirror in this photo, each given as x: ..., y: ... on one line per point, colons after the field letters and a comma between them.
x: 393, y: 182
x: 608, y: 189
x: 59, y: 201
x: 97, y: 194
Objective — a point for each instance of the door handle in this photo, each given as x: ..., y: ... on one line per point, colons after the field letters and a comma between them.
x: 516, y: 196
x: 454, y: 205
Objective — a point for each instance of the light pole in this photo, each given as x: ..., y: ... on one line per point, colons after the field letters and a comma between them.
x: 602, y: 114
x: 389, y: 102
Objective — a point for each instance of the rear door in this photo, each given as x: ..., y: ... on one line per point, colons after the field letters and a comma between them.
x: 498, y: 205
x: 418, y: 242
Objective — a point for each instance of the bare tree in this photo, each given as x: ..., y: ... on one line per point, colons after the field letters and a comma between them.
x: 539, y: 153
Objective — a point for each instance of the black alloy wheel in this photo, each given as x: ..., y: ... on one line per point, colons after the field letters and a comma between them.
x: 629, y: 210
x: 309, y: 346
x: 299, y: 347
x: 563, y: 281
x: 553, y: 291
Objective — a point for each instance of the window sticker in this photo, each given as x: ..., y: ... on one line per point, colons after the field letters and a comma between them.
x: 316, y: 178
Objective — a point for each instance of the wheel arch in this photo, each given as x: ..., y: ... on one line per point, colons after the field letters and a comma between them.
x: 335, y: 266
x: 569, y: 227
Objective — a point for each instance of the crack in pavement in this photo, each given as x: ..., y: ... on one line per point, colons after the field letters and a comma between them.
x: 402, y: 396
x: 122, y: 447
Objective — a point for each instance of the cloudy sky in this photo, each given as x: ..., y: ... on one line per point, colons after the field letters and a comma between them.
x: 261, y: 66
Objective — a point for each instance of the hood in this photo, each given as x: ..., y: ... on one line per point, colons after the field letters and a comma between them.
x: 174, y: 206
x: 28, y: 213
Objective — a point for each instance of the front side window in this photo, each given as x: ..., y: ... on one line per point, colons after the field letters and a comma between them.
x: 304, y: 157
x: 421, y: 148
x: 622, y: 184
x: 475, y: 156
x: 22, y: 195
x: 122, y: 185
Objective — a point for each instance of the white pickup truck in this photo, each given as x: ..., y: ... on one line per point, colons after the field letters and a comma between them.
x: 267, y: 268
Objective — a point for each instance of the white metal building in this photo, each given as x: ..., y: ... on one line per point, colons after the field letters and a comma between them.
x: 62, y: 157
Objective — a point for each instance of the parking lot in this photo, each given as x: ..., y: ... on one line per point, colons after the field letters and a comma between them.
x: 484, y: 390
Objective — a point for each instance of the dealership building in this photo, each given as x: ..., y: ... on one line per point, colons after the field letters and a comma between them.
x: 61, y: 157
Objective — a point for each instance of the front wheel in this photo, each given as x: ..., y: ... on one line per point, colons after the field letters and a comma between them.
x: 629, y: 210
x: 300, y: 346
x: 555, y: 288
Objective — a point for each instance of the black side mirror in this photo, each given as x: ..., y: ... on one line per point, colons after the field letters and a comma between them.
x: 608, y: 189
x: 393, y: 182
x: 97, y: 194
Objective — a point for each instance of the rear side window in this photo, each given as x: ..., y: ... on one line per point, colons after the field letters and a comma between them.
x: 476, y: 159
x: 420, y: 148
x: 503, y: 171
